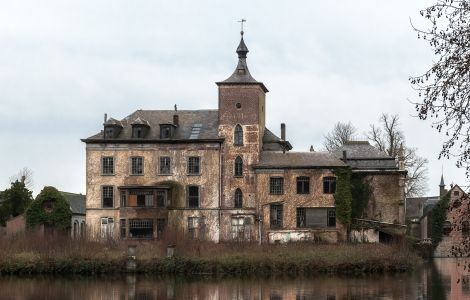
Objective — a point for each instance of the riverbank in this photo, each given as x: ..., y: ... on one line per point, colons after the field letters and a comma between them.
x: 84, y: 257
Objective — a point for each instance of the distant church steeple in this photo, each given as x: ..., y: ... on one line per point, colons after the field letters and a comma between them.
x: 442, y: 186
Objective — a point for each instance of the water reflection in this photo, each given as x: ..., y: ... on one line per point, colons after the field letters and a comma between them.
x: 445, y: 279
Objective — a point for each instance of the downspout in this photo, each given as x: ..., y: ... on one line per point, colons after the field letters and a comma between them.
x: 220, y: 189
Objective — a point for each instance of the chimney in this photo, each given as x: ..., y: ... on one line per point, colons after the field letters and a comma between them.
x: 105, y: 117
x: 283, y: 131
x: 345, y: 156
x: 311, y: 148
x: 176, y: 120
x: 401, y: 157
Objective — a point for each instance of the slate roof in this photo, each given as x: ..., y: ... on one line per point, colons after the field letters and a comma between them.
x: 362, y: 155
x: 77, y: 202
x: 272, y: 142
x: 242, y: 75
x: 293, y: 160
x: 207, y: 120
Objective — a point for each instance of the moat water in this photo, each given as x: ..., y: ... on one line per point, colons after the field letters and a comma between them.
x: 445, y: 278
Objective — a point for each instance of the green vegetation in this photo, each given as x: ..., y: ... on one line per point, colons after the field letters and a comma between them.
x: 438, y: 217
x: 343, y: 197
x: 361, y: 191
x: 15, y: 200
x: 58, y: 216
x: 31, y: 255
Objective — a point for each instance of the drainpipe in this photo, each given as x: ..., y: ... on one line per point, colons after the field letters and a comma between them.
x: 220, y: 189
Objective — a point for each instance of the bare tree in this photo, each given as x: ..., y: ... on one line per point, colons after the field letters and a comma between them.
x: 341, y: 133
x: 388, y: 137
x: 445, y: 87
x: 25, y: 176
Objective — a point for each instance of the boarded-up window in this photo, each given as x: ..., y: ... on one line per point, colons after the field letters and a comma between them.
x: 316, y: 217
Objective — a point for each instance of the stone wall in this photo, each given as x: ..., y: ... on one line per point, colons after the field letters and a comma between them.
x: 291, y: 201
x: 456, y: 241
x: 387, y: 201
x: 208, y: 180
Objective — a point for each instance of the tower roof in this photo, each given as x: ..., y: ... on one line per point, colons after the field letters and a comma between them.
x: 442, y: 181
x: 242, y: 75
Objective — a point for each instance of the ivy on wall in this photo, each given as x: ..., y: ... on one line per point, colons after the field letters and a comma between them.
x: 343, y: 196
x: 361, y: 191
x: 59, y: 216
x: 438, y: 217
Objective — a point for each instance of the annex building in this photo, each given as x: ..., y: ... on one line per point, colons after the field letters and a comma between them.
x: 221, y: 175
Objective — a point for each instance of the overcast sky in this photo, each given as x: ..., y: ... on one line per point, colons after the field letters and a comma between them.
x: 63, y: 64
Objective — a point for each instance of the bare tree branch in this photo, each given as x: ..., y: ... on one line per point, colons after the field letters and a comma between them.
x: 341, y: 133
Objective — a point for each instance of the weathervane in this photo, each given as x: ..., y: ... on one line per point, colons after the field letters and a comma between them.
x: 241, y: 23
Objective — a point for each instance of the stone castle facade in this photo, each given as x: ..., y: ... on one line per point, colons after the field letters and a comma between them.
x: 221, y: 175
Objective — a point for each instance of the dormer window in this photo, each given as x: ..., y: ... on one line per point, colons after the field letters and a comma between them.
x: 137, y: 132
x: 109, y: 132
x: 140, y: 128
x: 112, y: 128
x: 166, y: 131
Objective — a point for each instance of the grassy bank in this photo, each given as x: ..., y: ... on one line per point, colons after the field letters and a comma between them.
x: 30, y: 255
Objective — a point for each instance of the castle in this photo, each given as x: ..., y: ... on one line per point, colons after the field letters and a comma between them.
x: 221, y: 175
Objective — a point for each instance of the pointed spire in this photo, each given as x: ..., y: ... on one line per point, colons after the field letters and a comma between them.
x: 442, y: 181
x: 242, y: 49
x: 242, y: 75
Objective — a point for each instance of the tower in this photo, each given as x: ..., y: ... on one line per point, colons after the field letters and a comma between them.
x: 242, y: 124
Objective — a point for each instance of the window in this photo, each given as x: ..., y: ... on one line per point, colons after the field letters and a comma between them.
x: 165, y: 164
x: 141, y: 228
x: 242, y: 227
x: 238, y: 136
x: 238, y: 166
x: 193, y: 165
x: 276, y: 185
x: 446, y: 227
x: 137, y: 132
x: 107, y: 196
x: 196, y: 227
x: 275, y: 215
x: 123, y: 199
x: 107, y: 165
x: 161, y: 225
x: 193, y: 196
x: 139, y: 198
x: 303, y: 185
x: 456, y: 193
x: 331, y: 217
x: 316, y: 217
x: 107, y: 227
x: 329, y: 185
x: 122, y: 226
x: 108, y: 132
x: 165, y: 131
x: 137, y: 165
x: 161, y: 198
x: 238, y: 198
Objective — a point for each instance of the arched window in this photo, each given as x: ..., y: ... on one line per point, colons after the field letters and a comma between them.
x: 238, y: 198
x: 75, y: 229
x: 82, y: 229
x: 238, y: 135
x: 238, y: 166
